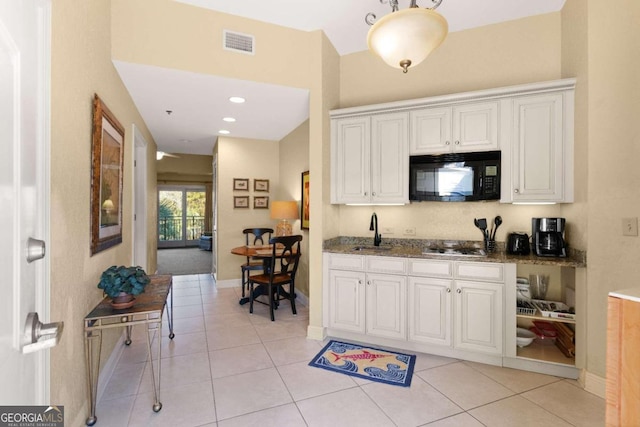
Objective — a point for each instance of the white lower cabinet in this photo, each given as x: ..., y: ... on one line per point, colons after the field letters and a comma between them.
x: 454, y: 305
x: 478, y: 316
x: 346, y: 300
x: 430, y: 310
x: 386, y: 312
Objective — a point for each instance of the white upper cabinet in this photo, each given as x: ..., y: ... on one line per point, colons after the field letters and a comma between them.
x: 541, y: 150
x: 463, y: 128
x: 370, y: 159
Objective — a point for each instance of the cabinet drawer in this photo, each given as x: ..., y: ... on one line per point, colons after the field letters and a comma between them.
x: 346, y: 262
x: 431, y: 268
x: 382, y: 264
x: 492, y: 272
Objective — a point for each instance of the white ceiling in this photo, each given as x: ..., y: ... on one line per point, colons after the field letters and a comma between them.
x: 199, y: 102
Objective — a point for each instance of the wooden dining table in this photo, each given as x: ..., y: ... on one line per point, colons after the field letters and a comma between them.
x: 264, y: 252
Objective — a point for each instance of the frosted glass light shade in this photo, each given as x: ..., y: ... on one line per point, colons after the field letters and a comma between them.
x: 407, y: 35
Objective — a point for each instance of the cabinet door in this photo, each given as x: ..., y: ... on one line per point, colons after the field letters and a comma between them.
x: 430, y: 131
x: 475, y: 127
x: 538, y: 151
x: 430, y: 310
x: 351, y: 161
x: 389, y: 158
x: 478, y: 317
x: 386, y: 305
x: 346, y: 300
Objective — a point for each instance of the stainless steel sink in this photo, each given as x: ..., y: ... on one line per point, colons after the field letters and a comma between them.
x: 371, y: 248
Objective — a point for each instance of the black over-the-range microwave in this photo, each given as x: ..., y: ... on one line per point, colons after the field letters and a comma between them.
x: 455, y: 177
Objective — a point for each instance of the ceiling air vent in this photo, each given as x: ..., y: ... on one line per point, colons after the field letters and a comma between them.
x: 238, y: 42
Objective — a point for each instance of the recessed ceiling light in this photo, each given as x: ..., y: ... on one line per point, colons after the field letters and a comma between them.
x: 224, y: 132
x: 237, y: 99
x: 185, y: 141
x: 229, y: 119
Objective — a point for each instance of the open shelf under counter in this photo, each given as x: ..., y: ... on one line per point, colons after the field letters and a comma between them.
x: 545, y: 353
x: 547, y: 319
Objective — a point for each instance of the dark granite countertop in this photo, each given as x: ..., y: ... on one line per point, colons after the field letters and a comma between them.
x: 412, y: 248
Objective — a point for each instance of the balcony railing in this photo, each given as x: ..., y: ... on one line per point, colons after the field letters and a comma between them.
x: 170, y: 228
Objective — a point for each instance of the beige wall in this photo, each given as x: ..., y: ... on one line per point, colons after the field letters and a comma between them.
x: 81, y: 66
x: 294, y: 159
x: 242, y: 158
x: 185, y: 169
x: 613, y: 150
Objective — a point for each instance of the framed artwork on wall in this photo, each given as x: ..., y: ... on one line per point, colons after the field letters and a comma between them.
x: 260, y: 185
x: 107, y: 154
x: 241, y: 202
x: 240, y: 184
x: 261, y: 202
x: 304, y: 205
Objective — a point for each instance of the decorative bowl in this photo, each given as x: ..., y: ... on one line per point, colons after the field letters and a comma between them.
x: 524, y: 337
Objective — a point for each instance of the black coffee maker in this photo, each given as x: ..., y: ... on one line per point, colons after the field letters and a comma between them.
x: 548, y: 237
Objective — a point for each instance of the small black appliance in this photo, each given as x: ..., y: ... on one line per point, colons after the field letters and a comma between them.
x: 518, y: 243
x: 548, y: 237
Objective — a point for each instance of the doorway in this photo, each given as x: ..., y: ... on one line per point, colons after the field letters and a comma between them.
x: 181, y: 216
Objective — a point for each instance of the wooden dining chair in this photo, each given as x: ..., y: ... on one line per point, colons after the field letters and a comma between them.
x: 253, y: 236
x: 283, y: 267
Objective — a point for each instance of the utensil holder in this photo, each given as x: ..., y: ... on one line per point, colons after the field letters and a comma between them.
x: 489, y: 245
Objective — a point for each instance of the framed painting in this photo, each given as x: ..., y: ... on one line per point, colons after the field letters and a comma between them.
x: 304, y: 205
x: 241, y: 202
x: 261, y: 202
x: 107, y: 155
x: 240, y: 184
x: 260, y: 185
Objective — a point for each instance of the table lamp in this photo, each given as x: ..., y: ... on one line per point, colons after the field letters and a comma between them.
x: 284, y: 210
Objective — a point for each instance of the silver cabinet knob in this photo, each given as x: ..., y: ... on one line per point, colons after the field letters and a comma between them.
x: 459, y: 291
x: 448, y: 290
x: 457, y: 143
x: 516, y: 191
x: 447, y: 143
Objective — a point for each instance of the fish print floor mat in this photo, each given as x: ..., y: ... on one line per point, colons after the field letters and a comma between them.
x: 369, y: 363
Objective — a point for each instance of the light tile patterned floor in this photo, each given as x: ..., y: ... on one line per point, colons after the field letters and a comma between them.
x: 227, y: 368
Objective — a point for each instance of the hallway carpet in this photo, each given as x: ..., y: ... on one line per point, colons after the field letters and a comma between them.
x: 184, y: 261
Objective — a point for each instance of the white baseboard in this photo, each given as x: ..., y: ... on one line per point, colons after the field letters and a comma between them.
x: 317, y: 333
x: 230, y: 283
x: 594, y: 384
x: 109, y: 368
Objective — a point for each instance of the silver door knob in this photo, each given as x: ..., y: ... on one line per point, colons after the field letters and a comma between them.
x: 38, y: 335
x: 35, y: 249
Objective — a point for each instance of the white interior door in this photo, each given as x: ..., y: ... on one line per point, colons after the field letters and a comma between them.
x: 24, y: 189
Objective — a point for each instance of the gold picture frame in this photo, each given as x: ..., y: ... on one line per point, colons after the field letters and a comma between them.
x: 240, y: 184
x: 261, y: 202
x: 107, y: 156
x: 241, y: 202
x: 304, y: 205
x: 261, y: 185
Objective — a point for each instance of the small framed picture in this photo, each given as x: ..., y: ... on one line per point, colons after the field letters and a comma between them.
x: 261, y: 202
x: 240, y: 184
x: 260, y: 185
x: 241, y: 202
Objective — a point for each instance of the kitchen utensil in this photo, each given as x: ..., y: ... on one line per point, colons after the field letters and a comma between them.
x: 538, y: 284
x: 497, y: 221
x: 482, y: 225
x: 524, y: 337
x: 518, y: 243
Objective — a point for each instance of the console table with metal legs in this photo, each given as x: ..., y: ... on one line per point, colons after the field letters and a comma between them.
x: 147, y: 310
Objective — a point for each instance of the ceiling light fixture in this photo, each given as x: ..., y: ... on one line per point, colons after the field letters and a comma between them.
x: 405, y: 38
x: 224, y: 132
x: 159, y: 155
x: 229, y: 119
x: 237, y: 99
